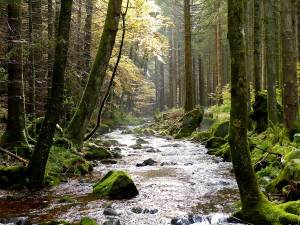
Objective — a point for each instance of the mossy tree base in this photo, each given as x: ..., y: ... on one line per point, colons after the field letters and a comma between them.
x: 267, y: 213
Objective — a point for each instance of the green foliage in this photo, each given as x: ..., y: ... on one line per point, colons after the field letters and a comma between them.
x: 87, y: 221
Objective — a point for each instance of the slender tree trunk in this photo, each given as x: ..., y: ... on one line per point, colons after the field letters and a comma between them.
x: 289, y: 52
x: 201, y: 82
x: 257, y: 46
x: 218, y: 57
x: 240, y: 154
x: 189, y: 85
x: 50, y: 42
x: 15, y: 128
x: 78, y: 41
x: 162, y: 87
x: 87, y: 34
x: 79, y: 123
x: 271, y: 59
x: 38, y: 161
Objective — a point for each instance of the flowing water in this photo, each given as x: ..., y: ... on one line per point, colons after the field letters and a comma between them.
x: 185, y: 181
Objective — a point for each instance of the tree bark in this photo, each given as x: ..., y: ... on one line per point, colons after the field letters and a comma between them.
x: 38, y: 161
x: 189, y: 84
x: 271, y: 59
x: 162, y: 86
x: 289, y: 54
x: 87, y: 34
x: 257, y: 46
x: 79, y: 123
x: 15, y: 128
x: 238, y: 141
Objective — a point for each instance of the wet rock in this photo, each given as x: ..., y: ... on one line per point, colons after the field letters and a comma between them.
x: 15, y: 221
x: 177, y: 221
x: 152, y: 150
x: 115, y: 185
x: 148, y: 162
x: 67, y: 199
x: 109, y: 161
x: 189, y: 164
x: 87, y: 221
x: 141, y: 141
x: 112, y: 222
x: 137, y: 210
x: 117, y: 149
x: 176, y: 145
x: 195, y: 219
x: 136, y: 146
x: 111, y: 212
x: 168, y: 164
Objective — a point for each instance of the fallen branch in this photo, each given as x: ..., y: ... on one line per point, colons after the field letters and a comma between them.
x: 14, y: 156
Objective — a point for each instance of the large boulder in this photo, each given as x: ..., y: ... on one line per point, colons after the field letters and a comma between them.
x: 115, y: 185
x: 221, y: 129
x: 12, y: 176
x: 215, y: 142
x: 96, y: 152
x: 190, y: 122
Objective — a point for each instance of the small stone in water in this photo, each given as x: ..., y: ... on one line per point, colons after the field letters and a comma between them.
x: 110, y: 212
x: 112, y: 222
x: 137, y: 210
x: 177, y: 221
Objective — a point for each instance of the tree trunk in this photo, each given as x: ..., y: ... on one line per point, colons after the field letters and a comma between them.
x: 240, y: 154
x: 87, y: 34
x: 50, y: 43
x: 271, y: 59
x: 289, y: 54
x: 218, y: 57
x: 15, y: 128
x: 257, y: 46
x: 79, y: 123
x: 38, y: 161
x: 162, y: 87
x: 189, y: 84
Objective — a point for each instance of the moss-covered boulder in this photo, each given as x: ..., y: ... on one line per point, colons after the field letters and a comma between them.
x: 115, y: 185
x: 215, y: 142
x: 200, y: 136
x: 87, y: 221
x: 12, y: 176
x: 220, y: 129
x: 96, y: 152
x: 290, y: 173
x: 191, y: 121
x: 296, y: 138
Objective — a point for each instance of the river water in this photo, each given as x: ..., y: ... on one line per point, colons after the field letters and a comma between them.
x: 184, y: 181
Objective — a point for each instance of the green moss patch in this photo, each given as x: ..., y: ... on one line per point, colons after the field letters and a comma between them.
x: 87, y: 221
x: 115, y: 185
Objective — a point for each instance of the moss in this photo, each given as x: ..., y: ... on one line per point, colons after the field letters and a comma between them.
x: 96, y: 152
x: 67, y: 199
x: 215, y: 142
x: 220, y: 129
x: 63, y: 143
x: 200, y: 136
x: 64, y: 161
x: 87, y: 221
x: 115, y: 185
x: 266, y: 213
x: 13, y: 176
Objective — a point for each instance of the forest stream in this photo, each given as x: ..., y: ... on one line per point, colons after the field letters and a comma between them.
x: 184, y: 183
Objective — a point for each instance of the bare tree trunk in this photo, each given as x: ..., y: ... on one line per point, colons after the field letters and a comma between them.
x: 189, y: 86
x: 38, y: 161
x: 271, y: 59
x: 162, y: 87
x: 289, y: 52
x: 87, y: 34
x: 15, y: 128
